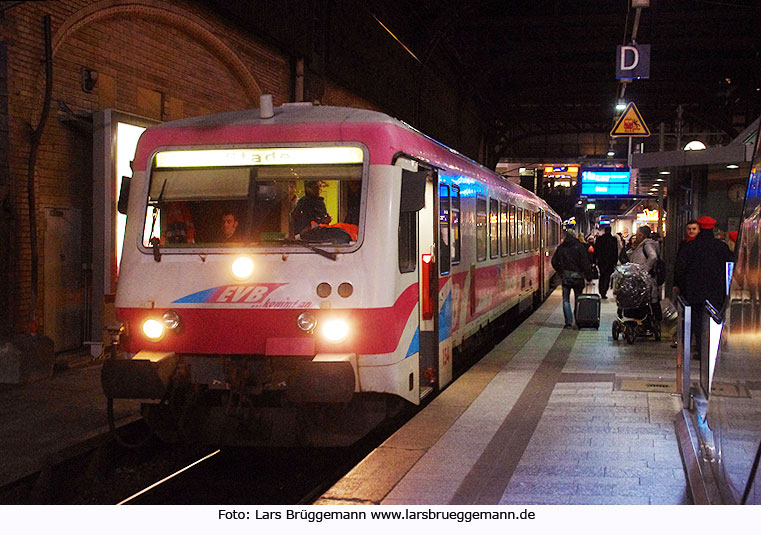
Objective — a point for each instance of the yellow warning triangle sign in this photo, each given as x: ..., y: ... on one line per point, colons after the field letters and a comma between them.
x: 630, y: 123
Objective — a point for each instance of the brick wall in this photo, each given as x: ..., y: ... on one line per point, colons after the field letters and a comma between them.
x: 159, y: 60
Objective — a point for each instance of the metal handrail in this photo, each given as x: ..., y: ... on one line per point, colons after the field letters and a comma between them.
x: 717, y: 316
x: 684, y: 337
x: 707, y: 359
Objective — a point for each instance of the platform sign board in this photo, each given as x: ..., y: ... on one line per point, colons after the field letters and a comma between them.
x: 630, y: 123
x: 602, y: 181
x: 632, y: 62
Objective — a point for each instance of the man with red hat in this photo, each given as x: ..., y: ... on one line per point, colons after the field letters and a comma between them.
x: 700, y: 271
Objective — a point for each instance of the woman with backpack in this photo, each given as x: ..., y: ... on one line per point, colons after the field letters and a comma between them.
x: 646, y: 252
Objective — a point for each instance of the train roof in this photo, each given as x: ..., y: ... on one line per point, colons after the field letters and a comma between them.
x: 383, y: 134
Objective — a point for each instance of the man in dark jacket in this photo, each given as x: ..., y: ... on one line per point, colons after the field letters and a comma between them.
x: 700, y: 273
x: 606, y: 257
x: 571, y: 262
x: 310, y: 208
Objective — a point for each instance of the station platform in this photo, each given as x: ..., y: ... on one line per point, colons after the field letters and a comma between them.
x: 42, y: 421
x: 549, y: 416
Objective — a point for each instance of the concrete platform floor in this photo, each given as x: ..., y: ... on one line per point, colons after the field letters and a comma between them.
x: 537, y: 421
x: 40, y: 419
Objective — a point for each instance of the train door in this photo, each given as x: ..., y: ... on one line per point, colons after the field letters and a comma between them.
x: 541, y: 232
x: 428, y: 287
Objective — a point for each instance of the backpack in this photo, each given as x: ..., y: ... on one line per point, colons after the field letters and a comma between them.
x: 659, y: 269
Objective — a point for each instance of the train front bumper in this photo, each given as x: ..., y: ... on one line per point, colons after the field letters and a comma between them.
x: 326, y: 378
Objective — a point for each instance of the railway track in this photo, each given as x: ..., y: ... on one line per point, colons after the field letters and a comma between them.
x: 101, y: 471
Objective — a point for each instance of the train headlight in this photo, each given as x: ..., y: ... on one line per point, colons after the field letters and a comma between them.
x: 242, y: 267
x: 335, y: 330
x: 153, y: 329
x: 171, y: 319
x: 306, y: 322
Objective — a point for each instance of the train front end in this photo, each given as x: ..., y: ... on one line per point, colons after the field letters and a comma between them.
x: 246, y: 289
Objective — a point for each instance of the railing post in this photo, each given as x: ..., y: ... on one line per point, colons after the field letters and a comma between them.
x: 684, y: 336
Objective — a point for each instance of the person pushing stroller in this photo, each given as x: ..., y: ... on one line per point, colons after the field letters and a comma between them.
x: 635, y: 316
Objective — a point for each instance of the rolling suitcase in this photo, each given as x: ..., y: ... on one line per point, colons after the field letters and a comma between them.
x: 587, y: 311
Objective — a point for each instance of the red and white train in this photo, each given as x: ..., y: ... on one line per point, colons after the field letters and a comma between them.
x: 283, y: 335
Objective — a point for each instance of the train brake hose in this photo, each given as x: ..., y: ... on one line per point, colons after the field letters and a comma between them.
x: 117, y: 437
x: 752, y: 476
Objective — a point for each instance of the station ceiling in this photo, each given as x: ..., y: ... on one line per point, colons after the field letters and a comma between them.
x: 534, y: 67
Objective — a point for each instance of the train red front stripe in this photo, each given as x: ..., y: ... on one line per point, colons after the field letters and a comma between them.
x: 245, y: 331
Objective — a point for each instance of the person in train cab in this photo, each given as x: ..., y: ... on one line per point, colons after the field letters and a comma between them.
x: 646, y: 251
x: 310, y: 208
x: 606, y: 257
x: 571, y: 262
x: 230, y: 227
x: 179, y: 224
x: 700, y: 273
x: 353, y: 200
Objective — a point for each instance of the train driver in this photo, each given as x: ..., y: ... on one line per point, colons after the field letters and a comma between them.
x: 230, y: 227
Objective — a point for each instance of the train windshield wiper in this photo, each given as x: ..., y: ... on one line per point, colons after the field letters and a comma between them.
x: 314, y: 248
x: 154, y: 241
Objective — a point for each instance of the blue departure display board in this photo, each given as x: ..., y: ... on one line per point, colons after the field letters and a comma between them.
x: 605, y: 181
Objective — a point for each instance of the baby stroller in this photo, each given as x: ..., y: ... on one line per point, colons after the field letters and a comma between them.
x: 632, y: 286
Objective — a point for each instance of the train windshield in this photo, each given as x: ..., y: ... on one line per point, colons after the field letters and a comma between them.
x: 254, y: 197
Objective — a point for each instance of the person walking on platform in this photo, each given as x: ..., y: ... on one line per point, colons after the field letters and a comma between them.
x: 571, y: 262
x: 606, y: 257
x: 645, y: 251
x: 691, y: 230
x: 700, y: 273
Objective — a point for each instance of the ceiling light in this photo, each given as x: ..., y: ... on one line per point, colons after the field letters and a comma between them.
x: 695, y: 145
x: 664, y: 173
x: 733, y: 166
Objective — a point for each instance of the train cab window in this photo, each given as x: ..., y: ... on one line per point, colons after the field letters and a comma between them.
x: 445, y: 250
x: 513, y: 225
x: 246, y: 197
x: 503, y: 235
x: 480, y: 228
x: 520, y: 231
x: 493, y: 228
x: 455, y: 224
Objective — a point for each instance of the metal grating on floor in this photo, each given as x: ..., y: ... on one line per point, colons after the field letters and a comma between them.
x: 730, y: 390
x: 645, y: 385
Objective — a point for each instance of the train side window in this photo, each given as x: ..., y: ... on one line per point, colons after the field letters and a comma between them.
x: 529, y: 222
x: 538, y: 227
x: 520, y: 230
x: 480, y: 228
x: 444, y: 243
x: 527, y: 230
x: 493, y: 228
x: 455, y: 224
x: 513, y: 224
x: 407, y: 241
x: 503, y: 235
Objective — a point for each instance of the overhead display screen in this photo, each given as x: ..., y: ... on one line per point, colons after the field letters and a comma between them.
x: 605, y: 181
